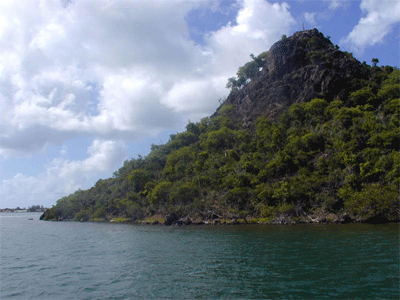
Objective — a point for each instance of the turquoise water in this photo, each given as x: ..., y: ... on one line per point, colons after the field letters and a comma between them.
x: 68, y: 260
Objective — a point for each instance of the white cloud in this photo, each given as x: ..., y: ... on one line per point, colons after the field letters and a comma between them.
x: 336, y: 4
x: 190, y: 96
x: 117, y: 69
x: 131, y: 103
x: 259, y: 25
x: 62, y: 176
x: 379, y: 20
x: 112, y: 71
x: 310, y: 18
x: 54, y: 58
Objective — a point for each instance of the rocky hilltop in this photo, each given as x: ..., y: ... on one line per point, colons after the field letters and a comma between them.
x: 295, y: 70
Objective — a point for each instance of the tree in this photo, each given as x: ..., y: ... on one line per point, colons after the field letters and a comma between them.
x: 138, y: 178
x: 247, y: 72
x: 374, y: 62
x: 232, y: 83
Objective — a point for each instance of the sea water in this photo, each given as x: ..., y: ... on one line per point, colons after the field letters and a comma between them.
x: 70, y: 260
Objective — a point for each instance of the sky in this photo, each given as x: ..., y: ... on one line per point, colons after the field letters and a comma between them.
x: 88, y: 84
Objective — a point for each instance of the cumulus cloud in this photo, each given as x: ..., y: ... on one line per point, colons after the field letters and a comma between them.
x: 310, y: 18
x: 182, y: 99
x: 88, y: 67
x: 259, y: 24
x: 336, y: 4
x: 62, y: 176
x: 113, y: 71
x: 380, y: 17
x: 122, y: 69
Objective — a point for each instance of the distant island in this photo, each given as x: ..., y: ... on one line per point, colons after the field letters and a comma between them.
x: 307, y: 134
x: 33, y: 208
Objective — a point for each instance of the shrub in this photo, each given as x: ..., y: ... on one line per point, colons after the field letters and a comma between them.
x: 372, y: 200
x: 82, y: 216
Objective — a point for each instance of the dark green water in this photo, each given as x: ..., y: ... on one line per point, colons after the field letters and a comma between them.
x: 67, y: 260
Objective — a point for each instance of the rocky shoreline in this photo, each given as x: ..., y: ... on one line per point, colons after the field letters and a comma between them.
x: 173, y: 219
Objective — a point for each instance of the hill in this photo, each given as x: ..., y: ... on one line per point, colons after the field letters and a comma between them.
x: 295, y: 70
x: 308, y: 133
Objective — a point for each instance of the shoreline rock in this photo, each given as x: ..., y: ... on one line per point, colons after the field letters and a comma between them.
x: 319, y: 217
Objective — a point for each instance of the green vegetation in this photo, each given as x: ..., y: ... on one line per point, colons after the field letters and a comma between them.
x: 35, y: 208
x: 338, y: 156
x: 247, y: 72
x: 374, y: 62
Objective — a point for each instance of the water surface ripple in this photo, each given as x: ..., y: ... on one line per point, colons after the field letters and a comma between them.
x: 68, y: 260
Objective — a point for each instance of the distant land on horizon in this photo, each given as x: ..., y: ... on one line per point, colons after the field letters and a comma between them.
x: 33, y: 208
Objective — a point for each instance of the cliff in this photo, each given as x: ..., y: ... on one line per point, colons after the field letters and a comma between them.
x: 295, y: 70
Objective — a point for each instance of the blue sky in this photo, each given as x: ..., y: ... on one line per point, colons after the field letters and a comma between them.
x: 88, y: 84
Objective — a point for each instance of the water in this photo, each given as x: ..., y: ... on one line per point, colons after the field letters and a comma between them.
x: 68, y: 260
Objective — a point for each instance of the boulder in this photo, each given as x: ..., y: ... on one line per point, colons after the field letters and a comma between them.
x: 346, y: 219
x: 281, y: 220
x: 178, y: 223
x: 170, y: 219
x: 186, y: 221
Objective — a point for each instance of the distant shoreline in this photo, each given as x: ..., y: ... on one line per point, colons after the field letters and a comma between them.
x: 18, y: 211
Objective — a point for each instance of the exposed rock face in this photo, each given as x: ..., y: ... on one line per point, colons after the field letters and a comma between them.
x: 283, y: 220
x: 297, y: 69
x: 186, y: 221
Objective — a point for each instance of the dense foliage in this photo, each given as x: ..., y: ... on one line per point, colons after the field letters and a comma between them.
x: 331, y: 155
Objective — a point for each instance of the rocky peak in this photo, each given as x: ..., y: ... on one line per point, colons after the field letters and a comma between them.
x: 290, y: 53
x: 295, y: 69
